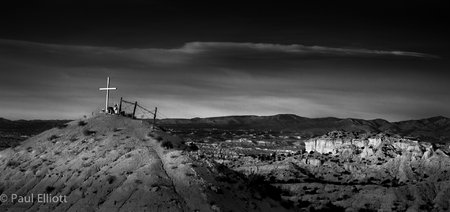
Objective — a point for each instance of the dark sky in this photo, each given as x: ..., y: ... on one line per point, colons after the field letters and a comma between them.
x: 360, y: 59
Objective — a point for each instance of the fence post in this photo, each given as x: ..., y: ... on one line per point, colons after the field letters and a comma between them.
x: 120, y: 106
x: 154, y: 117
x: 134, y: 110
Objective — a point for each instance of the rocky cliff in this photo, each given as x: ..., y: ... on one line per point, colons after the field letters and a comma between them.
x: 360, y: 172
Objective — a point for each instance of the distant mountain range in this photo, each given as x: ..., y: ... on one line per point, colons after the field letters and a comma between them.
x: 12, y: 132
x: 434, y: 129
x: 28, y: 127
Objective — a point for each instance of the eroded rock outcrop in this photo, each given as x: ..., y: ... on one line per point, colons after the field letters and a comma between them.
x: 372, y: 172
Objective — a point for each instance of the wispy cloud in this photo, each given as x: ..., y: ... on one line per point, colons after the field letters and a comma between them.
x: 255, y: 49
x: 218, y: 49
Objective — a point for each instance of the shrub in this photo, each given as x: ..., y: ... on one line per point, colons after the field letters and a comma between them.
x: 12, y: 164
x: 49, y: 189
x: 53, y: 137
x: 111, y: 179
x: 192, y: 147
x: 86, y: 164
x: 409, y: 197
x: 81, y: 123
x: 62, y: 126
x: 224, y: 178
x: 257, y: 182
x: 14, y: 144
x: 167, y: 144
x: 159, y: 138
x: 87, y: 132
x: 188, y: 148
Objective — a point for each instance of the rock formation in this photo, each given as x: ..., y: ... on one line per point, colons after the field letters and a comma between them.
x: 356, y: 172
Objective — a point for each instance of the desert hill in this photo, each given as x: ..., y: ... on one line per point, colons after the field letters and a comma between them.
x: 435, y: 129
x: 113, y: 163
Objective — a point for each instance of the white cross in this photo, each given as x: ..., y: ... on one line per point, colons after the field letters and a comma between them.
x: 107, y: 93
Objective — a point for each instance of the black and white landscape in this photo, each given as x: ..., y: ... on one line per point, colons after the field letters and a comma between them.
x: 224, y: 106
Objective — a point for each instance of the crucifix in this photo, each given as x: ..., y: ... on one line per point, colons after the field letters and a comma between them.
x: 107, y: 93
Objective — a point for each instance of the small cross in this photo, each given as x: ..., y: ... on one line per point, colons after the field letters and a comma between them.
x: 107, y: 93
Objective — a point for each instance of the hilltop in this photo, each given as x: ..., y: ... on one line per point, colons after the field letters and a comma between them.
x: 109, y: 162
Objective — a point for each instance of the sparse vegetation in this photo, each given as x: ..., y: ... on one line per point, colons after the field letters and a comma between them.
x: 53, y: 137
x: 49, y: 189
x: 14, y: 144
x: 13, y: 164
x: 410, y: 197
x: 86, y: 164
x: 62, y: 126
x: 159, y: 138
x: 129, y: 148
x: 87, y: 132
x: 189, y: 148
x: 258, y: 183
x: 101, y: 201
x: 167, y: 144
x: 111, y: 179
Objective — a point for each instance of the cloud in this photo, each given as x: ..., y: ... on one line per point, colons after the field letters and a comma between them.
x: 219, y: 78
x: 261, y: 49
x: 208, y: 49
